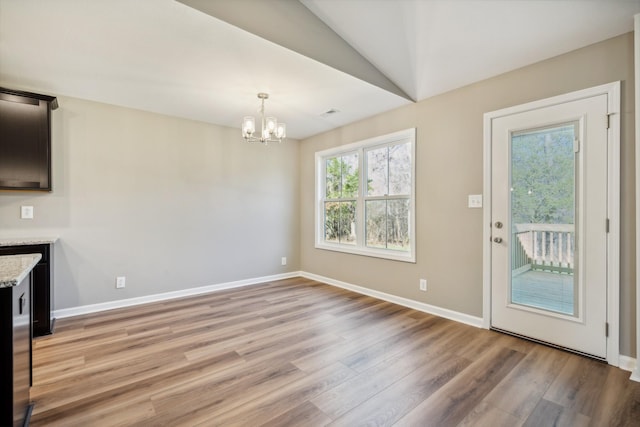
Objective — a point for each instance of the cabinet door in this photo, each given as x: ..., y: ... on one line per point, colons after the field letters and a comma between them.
x: 15, y: 353
x: 41, y: 300
x: 25, y: 140
x: 21, y: 349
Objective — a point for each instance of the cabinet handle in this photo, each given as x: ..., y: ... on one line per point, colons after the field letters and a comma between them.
x: 21, y: 302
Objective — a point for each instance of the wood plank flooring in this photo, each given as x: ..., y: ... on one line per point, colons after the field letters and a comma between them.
x: 301, y: 353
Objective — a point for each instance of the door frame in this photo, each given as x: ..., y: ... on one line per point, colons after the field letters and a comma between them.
x: 612, y: 90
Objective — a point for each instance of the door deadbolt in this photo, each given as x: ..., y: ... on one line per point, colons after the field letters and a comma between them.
x: 498, y: 224
x: 498, y: 240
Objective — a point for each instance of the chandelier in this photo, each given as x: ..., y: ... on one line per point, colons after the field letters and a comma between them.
x: 271, y: 130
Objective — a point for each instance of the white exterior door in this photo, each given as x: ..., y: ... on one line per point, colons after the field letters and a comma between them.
x: 551, y: 219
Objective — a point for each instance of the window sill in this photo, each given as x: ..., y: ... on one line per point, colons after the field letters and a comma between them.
x: 376, y: 253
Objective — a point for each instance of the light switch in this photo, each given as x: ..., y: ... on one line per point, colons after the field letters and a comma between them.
x: 475, y: 200
x: 26, y: 212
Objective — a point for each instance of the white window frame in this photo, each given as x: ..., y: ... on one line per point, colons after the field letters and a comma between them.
x: 360, y: 248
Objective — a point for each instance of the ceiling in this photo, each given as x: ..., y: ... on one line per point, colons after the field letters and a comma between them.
x: 206, y: 60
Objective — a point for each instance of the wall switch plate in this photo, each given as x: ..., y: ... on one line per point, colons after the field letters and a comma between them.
x: 475, y: 200
x: 284, y: 260
x: 120, y: 282
x: 423, y: 284
x: 26, y: 212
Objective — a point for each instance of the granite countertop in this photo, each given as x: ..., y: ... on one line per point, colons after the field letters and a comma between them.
x: 23, y: 241
x: 14, y: 268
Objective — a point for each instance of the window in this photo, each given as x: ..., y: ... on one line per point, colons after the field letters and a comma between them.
x: 366, y: 198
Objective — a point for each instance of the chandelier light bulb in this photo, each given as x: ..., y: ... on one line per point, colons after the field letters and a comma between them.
x: 248, y: 126
x: 271, y: 124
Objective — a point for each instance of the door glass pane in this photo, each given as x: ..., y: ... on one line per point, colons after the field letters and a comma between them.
x: 543, y: 219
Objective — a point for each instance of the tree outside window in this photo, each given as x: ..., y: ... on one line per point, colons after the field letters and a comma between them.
x: 366, y: 197
x: 388, y: 195
x: 340, y: 201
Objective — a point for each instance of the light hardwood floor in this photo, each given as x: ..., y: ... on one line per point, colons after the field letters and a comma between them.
x: 300, y: 353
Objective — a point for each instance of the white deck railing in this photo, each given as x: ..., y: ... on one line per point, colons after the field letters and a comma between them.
x: 546, y: 247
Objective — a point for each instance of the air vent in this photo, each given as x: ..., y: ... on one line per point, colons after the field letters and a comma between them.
x: 330, y: 112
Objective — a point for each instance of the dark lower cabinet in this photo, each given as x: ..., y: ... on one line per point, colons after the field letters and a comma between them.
x: 42, y: 285
x: 15, y: 354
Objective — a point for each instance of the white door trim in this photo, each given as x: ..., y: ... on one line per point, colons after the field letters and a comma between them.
x: 636, y: 372
x: 613, y: 208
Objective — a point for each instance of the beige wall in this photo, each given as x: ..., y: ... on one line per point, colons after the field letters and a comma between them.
x: 169, y: 203
x: 450, y: 167
x: 175, y: 204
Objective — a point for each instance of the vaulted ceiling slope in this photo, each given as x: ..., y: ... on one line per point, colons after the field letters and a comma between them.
x: 207, y: 60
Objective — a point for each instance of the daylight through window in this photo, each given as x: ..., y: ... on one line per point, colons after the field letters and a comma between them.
x: 365, y: 195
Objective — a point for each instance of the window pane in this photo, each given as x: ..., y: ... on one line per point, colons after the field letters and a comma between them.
x: 400, y: 169
x: 376, y: 214
x: 377, y: 172
x: 339, y: 222
x: 348, y: 223
x: 350, y: 175
x: 333, y: 172
x: 331, y: 221
x: 398, y: 225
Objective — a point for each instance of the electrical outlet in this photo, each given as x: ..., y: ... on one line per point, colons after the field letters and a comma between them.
x: 284, y: 260
x: 120, y: 282
x: 26, y: 212
x: 423, y: 284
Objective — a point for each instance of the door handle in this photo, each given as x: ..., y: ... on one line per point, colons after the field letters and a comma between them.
x: 21, y: 303
x: 498, y: 239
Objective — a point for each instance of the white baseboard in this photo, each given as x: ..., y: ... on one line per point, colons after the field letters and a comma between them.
x: 627, y: 363
x: 94, y: 308
x: 431, y: 309
x: 630, y: 364
x: 420, y: 306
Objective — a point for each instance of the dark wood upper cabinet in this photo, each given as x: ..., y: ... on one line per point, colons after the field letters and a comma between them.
x: 25, y: 140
